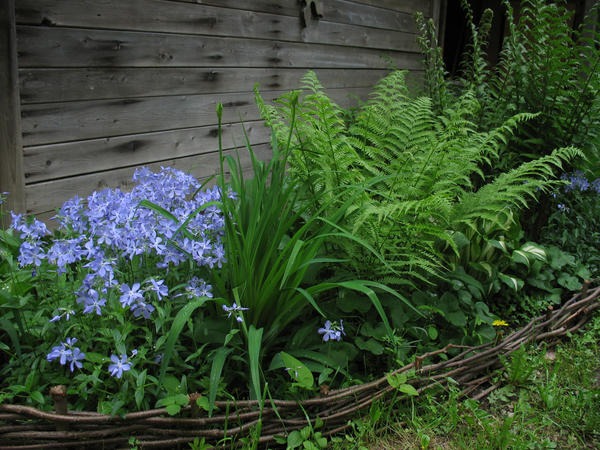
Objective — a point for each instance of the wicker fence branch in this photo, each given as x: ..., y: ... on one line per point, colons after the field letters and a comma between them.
x: 23, y: 427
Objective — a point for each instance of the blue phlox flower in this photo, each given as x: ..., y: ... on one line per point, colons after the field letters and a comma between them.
x: 171, y: 256
x: 158, y: 287
x: 93, y: 303
x: 60, y: 352
x: 71, y: 215
x: 63, y: 312
x: 66, y: 352
x: 197, y: 287
x: 332, y: 331
x: 219, y: 252
x: 119, y: 365
x: 577, y: 180
x: 31, y: 253
x: 141, y: 308
x: 596, y: 185
x: 76, y: 357
x: 33, y: 230
x: 66, y: 251
x: 103, y: 268
x: 130, y: 294
x: 235, y: 311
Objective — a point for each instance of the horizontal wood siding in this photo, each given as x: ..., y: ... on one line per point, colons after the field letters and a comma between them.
x: 11, y: 155
x: 107, y: 86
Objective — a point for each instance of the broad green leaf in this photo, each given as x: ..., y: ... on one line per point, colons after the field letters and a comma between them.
x: 456, y: 318
x: 218, y: 362
x: 408, y: 389
x: 176, y: 328
x: 254, y: 348
x: 536, y: 251
x: 294, y: 439
x: 520, y: 256
x: 396, y: 380
x: 501, y: 245
x: 298, y: 371
x: 512, y: 282
x: 369, y: 345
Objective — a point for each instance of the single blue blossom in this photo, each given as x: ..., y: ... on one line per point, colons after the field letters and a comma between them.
x: 60, y: 352
x: 332, y: 331
x: 158, y: 287
x: 93, y: 303
x: 141, y: 308
x: 130, y: 294
x: 119, y: 365
x: 76, y: 357
x: 234, y: 310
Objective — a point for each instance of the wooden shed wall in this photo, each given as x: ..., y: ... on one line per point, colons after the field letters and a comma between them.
x: 108, y: 85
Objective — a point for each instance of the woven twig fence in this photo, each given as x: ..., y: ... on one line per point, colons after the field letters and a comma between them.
x: 24, y: 427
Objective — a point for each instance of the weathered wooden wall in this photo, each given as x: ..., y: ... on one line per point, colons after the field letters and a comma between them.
x: 107, y: 85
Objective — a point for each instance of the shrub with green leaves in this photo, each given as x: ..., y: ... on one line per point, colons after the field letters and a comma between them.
x: 409, y: 178
x: 546, y: 67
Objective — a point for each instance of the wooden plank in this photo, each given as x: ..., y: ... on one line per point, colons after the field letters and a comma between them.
x: 11, y: 169
x: 48, y: 162
x: 45, y: 197
x: 67, y: 47
x: 74, y: 121
x: 407, y: 6
x: 282, y: 7
x: 344, y: 11
x: 185, y: 18
x: 61, y: 85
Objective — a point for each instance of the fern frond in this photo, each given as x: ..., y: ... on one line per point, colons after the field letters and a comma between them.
x: 514, y: 189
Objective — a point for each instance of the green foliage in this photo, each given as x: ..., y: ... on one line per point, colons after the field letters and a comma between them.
x: 545, y: 67
x: 404, y: 174
x: 547, y: 399
x: 574, y: 221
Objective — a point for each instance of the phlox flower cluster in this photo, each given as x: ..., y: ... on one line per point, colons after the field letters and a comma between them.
x: 579, y: 182
x: 111, y: 231
x: 67, y: 353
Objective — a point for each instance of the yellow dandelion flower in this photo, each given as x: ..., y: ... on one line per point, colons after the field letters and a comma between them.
x: 499, y: 323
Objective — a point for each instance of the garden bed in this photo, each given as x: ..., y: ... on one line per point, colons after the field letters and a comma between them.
x: 24, y: 427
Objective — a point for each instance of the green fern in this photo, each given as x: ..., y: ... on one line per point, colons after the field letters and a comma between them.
x: 409, y: 177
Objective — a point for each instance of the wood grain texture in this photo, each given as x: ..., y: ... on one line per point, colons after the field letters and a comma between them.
x: 194, y: 19
x: 74, y: 84
x: 107, y: 85
x: 73, y: 121
x: 49, y: 162
x: 407, y: 6
x: 11, y: 160
x: 46, y: 197
x: 73, y: 47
